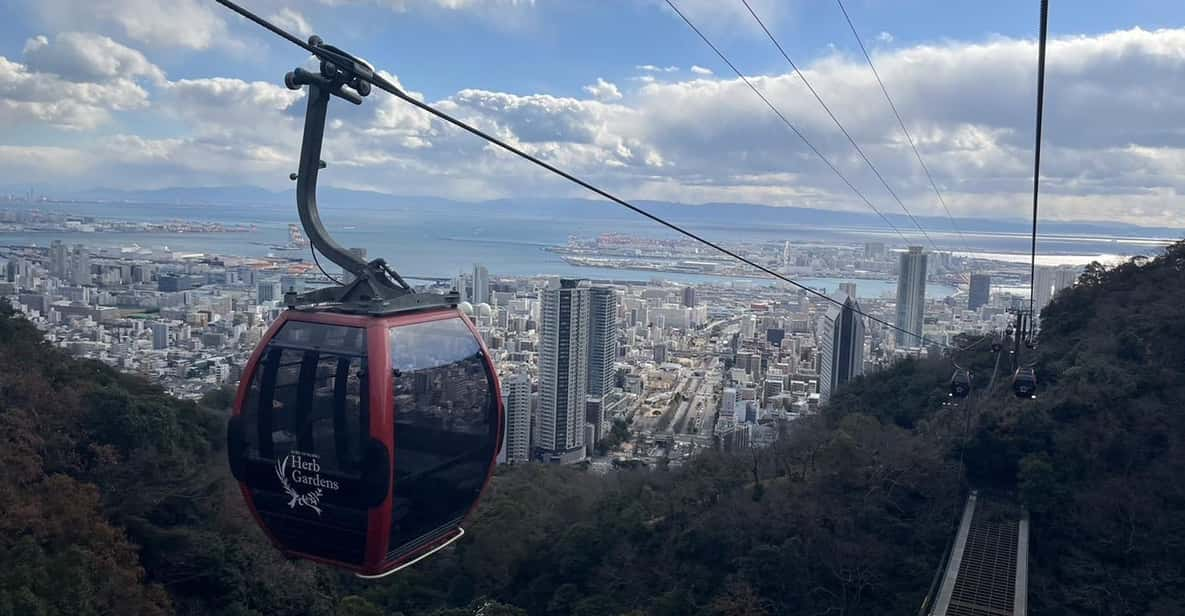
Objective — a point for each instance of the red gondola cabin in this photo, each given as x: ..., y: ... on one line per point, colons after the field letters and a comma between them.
x: 362, y: 441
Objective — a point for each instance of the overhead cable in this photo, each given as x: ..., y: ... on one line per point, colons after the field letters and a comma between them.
x: 839, y: 125
x: 1037, y: 145
x: 900, y: 122
x: 378, y: 81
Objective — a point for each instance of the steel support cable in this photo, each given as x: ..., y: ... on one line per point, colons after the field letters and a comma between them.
x: 840, y: 126
x: 1037, y: 146
x: 383, y: 84
x: 904, y: 130
x: 788, y: 123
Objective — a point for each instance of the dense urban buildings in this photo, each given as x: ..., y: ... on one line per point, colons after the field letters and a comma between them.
x: 626, y: 367
x: 911, y: 296
x: 841, y: 346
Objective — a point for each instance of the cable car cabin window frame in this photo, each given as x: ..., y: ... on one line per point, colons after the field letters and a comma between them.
x: 444, y: 374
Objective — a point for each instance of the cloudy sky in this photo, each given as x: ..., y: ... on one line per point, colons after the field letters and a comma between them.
x: 148, y: 94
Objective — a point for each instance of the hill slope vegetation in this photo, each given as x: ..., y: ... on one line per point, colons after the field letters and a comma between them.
x: 116, y: 498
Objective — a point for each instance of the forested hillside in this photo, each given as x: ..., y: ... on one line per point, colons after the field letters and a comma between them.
x: 116, y: 498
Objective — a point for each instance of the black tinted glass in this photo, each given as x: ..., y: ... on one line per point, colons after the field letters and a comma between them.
x: 445, y: 427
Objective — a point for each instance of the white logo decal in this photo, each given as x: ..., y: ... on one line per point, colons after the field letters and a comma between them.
x: 303, y: 469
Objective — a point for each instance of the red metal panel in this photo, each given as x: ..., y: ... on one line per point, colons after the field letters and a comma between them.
x: 382, y: 429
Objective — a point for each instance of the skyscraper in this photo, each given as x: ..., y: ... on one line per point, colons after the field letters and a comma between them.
x: 481, y: 285
x: 1043, y: 287
x: 269, y: 291
x: 1066, y: 276
x: 462, y: 286
x: 689, y: 296
x: 80, y: 273
x: 563, y: 371
x: 602, y: 340
x: 517, y: 393
x: 728, y: 402
x: 602, y: 353
x: 841, y: 344
x: 59, y: 259
x: 848, y: 288
x: 980, y: 292
x: 911, y: 296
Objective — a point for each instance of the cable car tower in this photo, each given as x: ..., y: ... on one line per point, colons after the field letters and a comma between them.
x: 368, y: 419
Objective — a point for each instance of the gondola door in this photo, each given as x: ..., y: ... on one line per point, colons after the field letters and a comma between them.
x: 447, y: 428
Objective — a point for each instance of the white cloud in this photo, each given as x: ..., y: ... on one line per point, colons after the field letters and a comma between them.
x: 699, y: 70
x: 82, y: 57
x: 193, y: 24
x: 650, y: 68
x: 1114, y: 149
x: 292, y: 21
x: 603, y: 90
x: 885, y: 37
x: 73, y: 82
x: 730, y: 17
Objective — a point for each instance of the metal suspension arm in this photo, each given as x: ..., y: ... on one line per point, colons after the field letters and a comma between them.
x: 310, y: 164
x: 346, y: 77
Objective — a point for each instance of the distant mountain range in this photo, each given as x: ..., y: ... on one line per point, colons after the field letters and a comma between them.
x: 731, y: 215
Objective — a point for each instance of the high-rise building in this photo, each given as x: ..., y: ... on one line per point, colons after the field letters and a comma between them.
x: 269, y: 291
x: 602, y: 354
x: 160, y: 335
x: 1066, y: 277
x: 911, y: 297
x: 689, y: 296
x: 874, y: 250
x: 841, y: 344
x: 481, y: 285
x: 563, y: 371
x: 1043, y: 287
x: 1050, y: 280
x: 462, y: 286
x: 80, y: 272
x: 980, y: 292
x: 516, y: 392
x: 728, y: 401
x: 602, y: 340
x: 848, y: 289
x: 59, y: 259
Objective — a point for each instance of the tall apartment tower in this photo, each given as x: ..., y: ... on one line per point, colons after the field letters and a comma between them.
x: 911, y: 296
x: 980, y: 292
x: 80, y: 273
x: 563, y: 371
x: 481, y: 285
x: 516, y: 392
x: 602, y: 354
x: 59, y: 259
x: 841, y: 343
